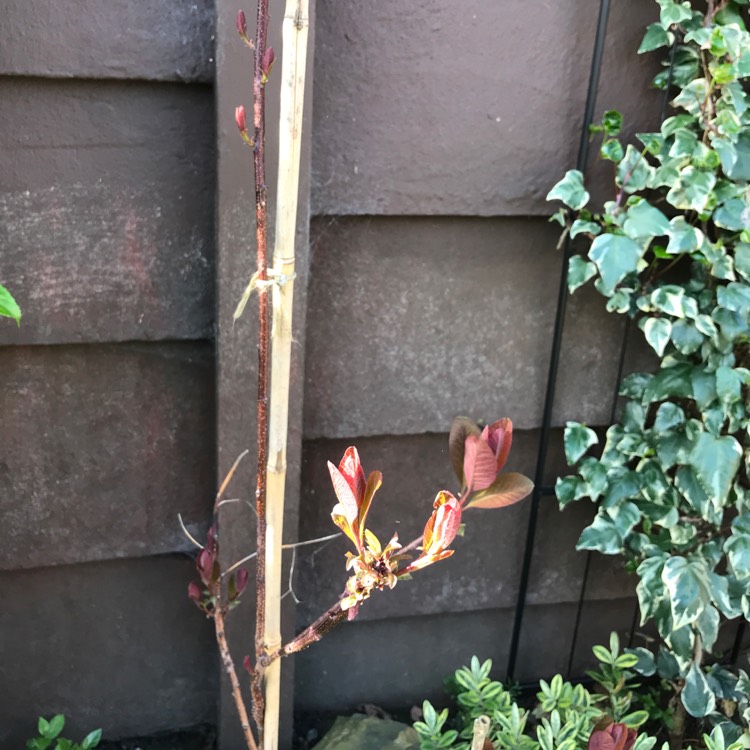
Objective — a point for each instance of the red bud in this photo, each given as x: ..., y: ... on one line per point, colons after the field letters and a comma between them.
x: 267, y: 62
x: 241, y: 23
x: 242, y: 576
x: 239, y: 116
x: 205, y: 564
x: 247, y: 664
x: 195, y: 592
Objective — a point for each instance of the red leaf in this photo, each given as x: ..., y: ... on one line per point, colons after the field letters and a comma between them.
x: 351, y: 468
x: 344, y: 493
x: 500, y: 437
x: 480, y: 465
x: 373, y: 485
x: 505, y: 490
x: 461, y: 428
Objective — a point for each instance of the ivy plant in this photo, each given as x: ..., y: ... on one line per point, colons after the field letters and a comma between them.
x: 671, y: 250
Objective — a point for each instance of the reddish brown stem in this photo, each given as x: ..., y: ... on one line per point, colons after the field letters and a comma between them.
x: 261, y: 234
x: 226, y: 658
x: 332, y: 617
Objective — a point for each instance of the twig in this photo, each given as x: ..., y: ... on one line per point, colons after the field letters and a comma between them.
x: 481, y: 731
x: 187, y: 533
x: 227, y: 661
x: 283, y: 546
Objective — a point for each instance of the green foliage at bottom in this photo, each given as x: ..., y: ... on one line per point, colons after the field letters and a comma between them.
x: 564, y: 716
x: 49, y: 737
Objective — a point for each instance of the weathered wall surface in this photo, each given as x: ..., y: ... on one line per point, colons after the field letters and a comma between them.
x: 433, y: 290
x: 107, y: 177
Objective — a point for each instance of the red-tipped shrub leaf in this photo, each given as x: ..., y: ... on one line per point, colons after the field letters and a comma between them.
x: 461, y: 428
x: 502, y: 437
x: 351, y: 468
x: 480, y: 466
x: 344, y: 493
x: 373, y: 485
x: 505, y: 490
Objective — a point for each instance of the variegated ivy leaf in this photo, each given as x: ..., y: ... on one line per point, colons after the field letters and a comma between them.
x: 634, y: 171
x: 657, y: 332
x: 578, y: 439
x: 615, y: 256
x: 715, y: 461
x: 673, y: 13
x: 689, y: 589
x: 692, y: 190
x: 580, y: 271
x: 570, y: 190
x: 697, y: 696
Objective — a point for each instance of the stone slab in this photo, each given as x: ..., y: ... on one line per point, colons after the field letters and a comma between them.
x: 115, y: 645
x: 369, y: 733
x: 107, y: 231
x: 411, y: 321
x: 101, y: 448
x: 421, y: 109
x: 152, y: 39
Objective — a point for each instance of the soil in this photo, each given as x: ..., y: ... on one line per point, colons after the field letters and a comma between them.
x: 197, y: 738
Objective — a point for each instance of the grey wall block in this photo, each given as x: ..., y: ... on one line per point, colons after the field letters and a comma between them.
x: 412, y: 321
x: 163, y: 40
x: 114, y: 645
x: 101, y: 448
x: 108, y: 206
x: 426, y: 109
x: 400, y: 662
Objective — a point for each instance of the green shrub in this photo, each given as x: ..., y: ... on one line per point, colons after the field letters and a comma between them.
x: 49, y: 737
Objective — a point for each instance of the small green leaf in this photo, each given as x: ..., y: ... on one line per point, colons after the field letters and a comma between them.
x: 689, y: 589
x: 673, y: 13
x: 580, y: 227
x: 643, y: 220
x: 715, y: 461
x: 645, y: 664
x: 692, y: 190
x: 656, y: 36
x: 56, y: 725
x: 657, y: 332
x: 612, y: 122
x: 634, y: 171
x: 8, y: 306
x: 611, y: 150
x: 570, y: 190
x: 579, y: 272
x: 578, y: 439
x: 615, y: 256
x: 697, y: 696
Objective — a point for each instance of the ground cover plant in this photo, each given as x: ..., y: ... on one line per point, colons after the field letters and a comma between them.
x: 671, y: 250
x: 49, y: 737
x: 563, y: 716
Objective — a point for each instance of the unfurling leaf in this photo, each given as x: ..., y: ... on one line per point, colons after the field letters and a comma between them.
x: 480, y: 467
x: 505, y: 490
x: 461, y: 428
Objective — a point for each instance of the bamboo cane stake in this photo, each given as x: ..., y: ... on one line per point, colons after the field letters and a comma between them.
x: 294, y: 57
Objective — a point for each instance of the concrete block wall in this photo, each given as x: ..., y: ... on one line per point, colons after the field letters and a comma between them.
x: 438, y: 132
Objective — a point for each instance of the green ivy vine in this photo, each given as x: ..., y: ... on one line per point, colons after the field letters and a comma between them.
x: 671, y: 250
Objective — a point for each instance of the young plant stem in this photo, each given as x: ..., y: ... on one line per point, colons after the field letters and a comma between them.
x: 294, y: 37
x: 226, y: 659
x: 261, y: 238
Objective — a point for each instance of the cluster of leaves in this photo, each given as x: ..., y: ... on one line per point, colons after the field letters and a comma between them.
x: 563, y: 719
x: 49, y: 737
x: 8, y: 306
x: 478, y: 457
x: 672, y: 251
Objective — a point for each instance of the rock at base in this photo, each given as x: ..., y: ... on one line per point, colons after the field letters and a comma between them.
x: 361, y: 732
